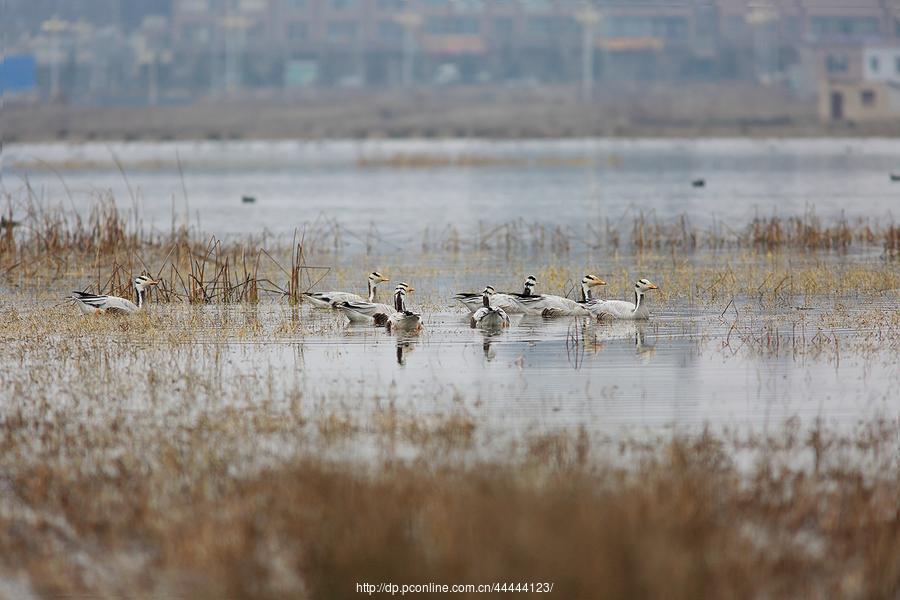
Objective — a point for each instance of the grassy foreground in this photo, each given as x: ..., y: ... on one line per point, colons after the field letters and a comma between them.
x: 120, y: 508
x: 136, y: 462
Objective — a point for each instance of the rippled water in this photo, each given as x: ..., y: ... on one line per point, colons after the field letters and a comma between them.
x: 685, y: 367
x: 567, y: 183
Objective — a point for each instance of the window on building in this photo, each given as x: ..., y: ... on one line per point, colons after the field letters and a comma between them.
x: 389, y: 30
x: 341, y: 30
x: 197, y: 6
x: 452, y: 25
x: 837, y: 63
x: 551, y: 25
x: 298, y: 31
x: 844, y: 26
x: 198, y: 34
x: 502, y: 27
x: 867, y: 97
x: 341, y: 4
x: 874, y: 63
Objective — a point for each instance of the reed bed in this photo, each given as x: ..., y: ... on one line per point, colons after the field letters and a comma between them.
x: 123, y: 506
x: 33, y: 235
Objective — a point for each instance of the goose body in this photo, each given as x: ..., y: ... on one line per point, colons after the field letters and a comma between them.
x: 550, y: 305
x: 91, y: 304
x: 620, y: 309
x: 364, y: 312
x: 401, y: 320
x: 332, y: 299
x: 507, y: 301
x: 489, y: 317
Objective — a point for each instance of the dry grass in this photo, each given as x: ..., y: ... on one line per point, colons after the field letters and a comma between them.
x: 125, y: 508
x: 168, y: 455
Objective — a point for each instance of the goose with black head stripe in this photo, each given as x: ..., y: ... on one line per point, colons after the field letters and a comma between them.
x: 505, y: 300
x: 402, y: 320
x: 364, y: 312
x: 549, y: 305
x: 620, y: 309
x: 331, y: 299
x: 93, y: 304
x: 489, y: 317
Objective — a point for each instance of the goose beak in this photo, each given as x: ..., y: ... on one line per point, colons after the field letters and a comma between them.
x: 652, y: 286
x: 382, y: 279
x: 410, y: 290
x: 153, y: 282
x: 598, y: 281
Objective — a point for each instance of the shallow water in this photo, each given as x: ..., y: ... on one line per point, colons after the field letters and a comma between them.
x: 686, y: 367
x: 555, y: 183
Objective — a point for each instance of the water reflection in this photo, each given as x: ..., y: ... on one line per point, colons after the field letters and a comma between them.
x: 405, y: 345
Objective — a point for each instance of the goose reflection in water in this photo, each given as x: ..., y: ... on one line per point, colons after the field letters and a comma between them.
x: 404, y: 347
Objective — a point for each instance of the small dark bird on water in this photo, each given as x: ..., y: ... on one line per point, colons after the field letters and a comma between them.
x: 248, y: 199
x: 895, y: 176
x: 699, y: 183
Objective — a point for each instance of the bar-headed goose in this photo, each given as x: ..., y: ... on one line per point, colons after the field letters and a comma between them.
x: 549, y: 305
x: 506, y: 301
x: 401, y: 320
x: 489, y: 317
x: 620, y: 309
x: 364, y: 312
x: 330, y: 299
x: 90, y: 304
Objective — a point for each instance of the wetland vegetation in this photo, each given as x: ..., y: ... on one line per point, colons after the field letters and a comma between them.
x: 229, y: 441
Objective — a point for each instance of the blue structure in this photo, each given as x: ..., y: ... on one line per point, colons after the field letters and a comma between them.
x: 18, y: 73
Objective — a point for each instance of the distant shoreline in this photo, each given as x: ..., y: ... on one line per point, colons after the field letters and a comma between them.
x: 695, y: 111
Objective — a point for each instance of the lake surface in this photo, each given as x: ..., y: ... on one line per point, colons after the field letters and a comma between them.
x: 686, y: 367
x: 398, y: 189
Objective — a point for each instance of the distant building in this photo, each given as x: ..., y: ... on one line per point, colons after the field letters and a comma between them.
x: 863, y: 85
x: 178, y: 50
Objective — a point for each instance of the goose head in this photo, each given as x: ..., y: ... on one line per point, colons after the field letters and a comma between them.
x: 486, y: 295
x: 642, y: 286
x: 375, y: 278
x: 530, y: 283
x: 588, y: 282
x: 142, y: 282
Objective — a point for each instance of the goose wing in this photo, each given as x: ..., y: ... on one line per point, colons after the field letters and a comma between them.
x: 93, y: 303
x: 551, y: 306
x: 406, y: 321
x: 329, y: 299
x: 617, y: 309
x: 507, y: 302
x: 363, y: 311
x: 478, y: 316
x: 557, y: 306
x: 471, y: 300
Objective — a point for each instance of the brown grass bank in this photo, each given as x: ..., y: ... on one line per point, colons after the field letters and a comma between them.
x: 172, y: 519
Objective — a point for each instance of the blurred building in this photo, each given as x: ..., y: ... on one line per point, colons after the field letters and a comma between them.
x: 178, y: 50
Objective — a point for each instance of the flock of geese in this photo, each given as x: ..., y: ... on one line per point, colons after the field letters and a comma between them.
x: 488, y: 309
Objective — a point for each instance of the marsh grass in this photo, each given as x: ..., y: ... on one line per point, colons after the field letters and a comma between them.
x: 163, y: 455
x: 128, y: 506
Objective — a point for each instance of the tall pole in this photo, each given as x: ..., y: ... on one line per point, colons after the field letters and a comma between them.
x: 234, y: 28
x: 760, y: 17
x: 588, y: 19
x: 54, y: 27
x: 409, y: 21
